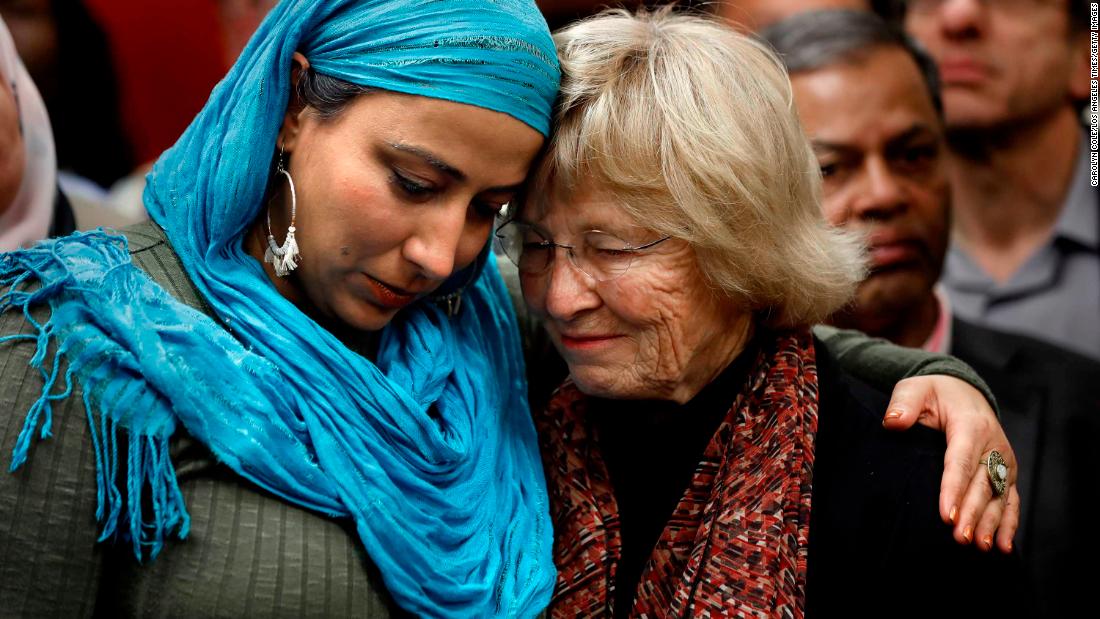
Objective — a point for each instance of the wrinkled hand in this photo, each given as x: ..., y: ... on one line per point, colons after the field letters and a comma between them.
x: 961, y: 412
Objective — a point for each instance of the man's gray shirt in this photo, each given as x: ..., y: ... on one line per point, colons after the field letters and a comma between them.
x: 1055, y: 295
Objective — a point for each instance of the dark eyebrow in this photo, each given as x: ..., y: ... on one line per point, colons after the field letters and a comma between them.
x: 916, y: 131
x: 431, y: 160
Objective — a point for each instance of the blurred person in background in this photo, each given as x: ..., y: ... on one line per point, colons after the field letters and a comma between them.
x: 753, y: 15
x: 69, y: 58
x: 745, y: 15
x: 869, y: 101
x: 1025, y: 244
x: 31, y: 205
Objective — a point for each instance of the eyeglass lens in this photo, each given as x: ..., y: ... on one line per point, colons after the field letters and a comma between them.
x: 599, y: 254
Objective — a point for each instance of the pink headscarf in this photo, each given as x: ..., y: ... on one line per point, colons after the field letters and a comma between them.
x: 28, y: 218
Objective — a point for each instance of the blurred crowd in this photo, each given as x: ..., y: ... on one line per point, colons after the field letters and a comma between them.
x: 961, y: 153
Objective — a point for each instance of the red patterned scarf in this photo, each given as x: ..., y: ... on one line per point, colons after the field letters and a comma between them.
x: 736, y: 544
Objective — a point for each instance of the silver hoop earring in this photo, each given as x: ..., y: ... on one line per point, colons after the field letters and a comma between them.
x: 283, y: 257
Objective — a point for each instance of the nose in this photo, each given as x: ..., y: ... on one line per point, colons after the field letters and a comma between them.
x: 962, y: 18
x: 438, y: 238
x: 881, y: 195
x: 569, y: 291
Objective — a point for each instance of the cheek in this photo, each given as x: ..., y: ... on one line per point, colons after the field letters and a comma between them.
x: 632, y: 305
x: 930, y: 202
x: 342, y: 219
x: 834, y: 208
x: 657, y: 310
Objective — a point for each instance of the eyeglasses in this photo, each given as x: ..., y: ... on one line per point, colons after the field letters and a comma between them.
x: 600, y: 255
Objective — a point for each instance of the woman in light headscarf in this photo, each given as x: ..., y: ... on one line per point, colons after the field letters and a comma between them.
x: 308, y: 365
x: 31, y: 207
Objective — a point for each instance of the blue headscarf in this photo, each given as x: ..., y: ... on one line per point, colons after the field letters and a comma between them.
x: 431, y: 449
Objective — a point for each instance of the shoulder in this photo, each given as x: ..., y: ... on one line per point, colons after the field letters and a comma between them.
x: 883, y: 364
x: 856, y: 458
x: 145, y: 236
x: 152, y: 252
x: 1018, y: 368
x: 855, y: 406
x: 994, y: 350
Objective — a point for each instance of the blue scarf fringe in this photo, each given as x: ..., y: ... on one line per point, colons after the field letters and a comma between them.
x: 149, y: 471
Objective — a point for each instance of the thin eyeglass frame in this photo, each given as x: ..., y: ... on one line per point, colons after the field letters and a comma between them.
x: 570, y: 250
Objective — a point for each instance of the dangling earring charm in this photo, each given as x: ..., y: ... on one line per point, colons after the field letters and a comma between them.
x: 283, y: 257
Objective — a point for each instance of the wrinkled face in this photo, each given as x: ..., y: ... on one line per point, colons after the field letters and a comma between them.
x: 656, y: 332
x: 878, y: 141
x: 395, y: 194
x: 11, y: 147
x: 1001, y: 61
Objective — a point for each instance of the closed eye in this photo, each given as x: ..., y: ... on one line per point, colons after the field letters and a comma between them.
x: 411, y: 187
x: 615, y: 253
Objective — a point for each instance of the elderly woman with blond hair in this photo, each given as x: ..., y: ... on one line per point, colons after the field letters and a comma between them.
x: 707, y: 455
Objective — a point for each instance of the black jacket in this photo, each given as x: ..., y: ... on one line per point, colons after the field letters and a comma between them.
x: 1050, y: 409
x: 877, y: 544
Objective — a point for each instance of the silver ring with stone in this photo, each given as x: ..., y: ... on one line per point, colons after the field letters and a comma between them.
x: 997, y: 469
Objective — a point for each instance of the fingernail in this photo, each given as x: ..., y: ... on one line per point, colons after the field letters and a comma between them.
x: 987, y: 541
x: 968, y: 533
x: 892, y: 415
x: 954, y: 513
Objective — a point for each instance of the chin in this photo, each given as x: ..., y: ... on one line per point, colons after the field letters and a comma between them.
x: 971, y: 111
x: 602, y: 382
x: 591, y: 383
x: 896, y: 288
x: 364, y: 317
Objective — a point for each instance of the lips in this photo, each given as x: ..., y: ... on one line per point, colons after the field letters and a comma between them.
x: 892, y: 249
x: 961, y: 71
x: 883, y: 256
x: 583, y: 342
x: 388, y: 295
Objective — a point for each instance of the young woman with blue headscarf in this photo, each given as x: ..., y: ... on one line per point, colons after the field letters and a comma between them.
x: 223, y: 375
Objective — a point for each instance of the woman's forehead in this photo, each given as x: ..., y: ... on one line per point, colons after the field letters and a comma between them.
x: 587, y: 207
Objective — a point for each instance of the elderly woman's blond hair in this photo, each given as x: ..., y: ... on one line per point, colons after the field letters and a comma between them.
x: 691, y: 127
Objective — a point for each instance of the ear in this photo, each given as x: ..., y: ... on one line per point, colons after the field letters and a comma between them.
x: 1080, y: 67
x: 295, y: 107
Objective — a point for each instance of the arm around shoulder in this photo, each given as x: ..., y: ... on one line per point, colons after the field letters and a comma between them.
x: 882, y: 364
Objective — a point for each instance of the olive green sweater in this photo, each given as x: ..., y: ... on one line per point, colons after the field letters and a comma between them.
x: 249, y: 553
